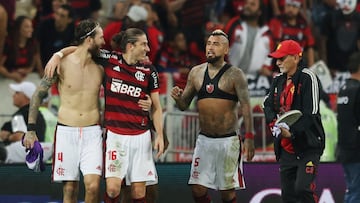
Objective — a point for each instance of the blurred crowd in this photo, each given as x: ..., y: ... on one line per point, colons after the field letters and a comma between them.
x: 327, y: 30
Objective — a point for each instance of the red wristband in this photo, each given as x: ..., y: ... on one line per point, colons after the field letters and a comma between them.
x: 249, y: 135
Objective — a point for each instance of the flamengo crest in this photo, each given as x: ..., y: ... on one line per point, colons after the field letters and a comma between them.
x: 140, y: 76
x: 210, y: 88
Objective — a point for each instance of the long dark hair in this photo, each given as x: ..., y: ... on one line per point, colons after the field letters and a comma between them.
x: 14, y: 40
x: 130, y: 35
x: 86, y: 28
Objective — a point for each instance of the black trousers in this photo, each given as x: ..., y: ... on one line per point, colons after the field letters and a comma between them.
x: 297, y: 177
x: 3, y: 152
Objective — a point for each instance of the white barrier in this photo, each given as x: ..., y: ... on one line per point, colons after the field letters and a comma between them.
x: 182, y: 129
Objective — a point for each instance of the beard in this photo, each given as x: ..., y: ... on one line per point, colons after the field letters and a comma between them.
x: 290, y: 16
x: 249, y: 16
x: 213, y: 60
x: 94, y: 51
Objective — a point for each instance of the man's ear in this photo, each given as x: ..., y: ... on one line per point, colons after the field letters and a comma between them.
x: 129, y: 46
x: 88, y: 39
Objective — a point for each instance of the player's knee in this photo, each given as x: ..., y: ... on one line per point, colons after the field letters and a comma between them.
x: 112, y: 191
x: 70, y: 191
x: 92, y: 188
x: 138, y: 192
x: 198, y: 190
x: 113, y: 187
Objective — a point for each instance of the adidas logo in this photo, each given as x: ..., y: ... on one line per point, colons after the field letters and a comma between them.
x: 116, y: 68
x: 150, y: 173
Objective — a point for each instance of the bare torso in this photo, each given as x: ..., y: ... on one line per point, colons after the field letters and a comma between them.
x: 217, y: 116
x: 79, y: 87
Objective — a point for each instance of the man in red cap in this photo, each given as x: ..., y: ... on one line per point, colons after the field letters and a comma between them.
x: 297, y: 147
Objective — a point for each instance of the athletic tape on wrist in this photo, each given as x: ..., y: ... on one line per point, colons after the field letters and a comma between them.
x: 31, y: 127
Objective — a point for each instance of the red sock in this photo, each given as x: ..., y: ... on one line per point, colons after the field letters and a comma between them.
x: 202, y: 199
x: 108, y: 199
x: 230, y: 201
x: 140, y: 200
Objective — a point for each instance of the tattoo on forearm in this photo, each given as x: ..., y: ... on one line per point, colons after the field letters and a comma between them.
x: 39, y: 95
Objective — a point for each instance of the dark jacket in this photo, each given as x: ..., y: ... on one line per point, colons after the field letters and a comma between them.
x: 307, y: 134
x: 348, y: 106
x: 24, y: 112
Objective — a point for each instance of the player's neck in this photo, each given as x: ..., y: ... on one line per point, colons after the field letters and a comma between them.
x: 218, y: 65
x: 291, y: 73
x: 355, y: 76
x: 129, y: 60
x: 83, y: 54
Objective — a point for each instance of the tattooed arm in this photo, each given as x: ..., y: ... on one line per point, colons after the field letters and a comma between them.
x: 184, y: 97
x: 39, y: 95
x: 242, y: 92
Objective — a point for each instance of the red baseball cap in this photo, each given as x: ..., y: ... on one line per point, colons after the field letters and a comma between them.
x: 286, y: 47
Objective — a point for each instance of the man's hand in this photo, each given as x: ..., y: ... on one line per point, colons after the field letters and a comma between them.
x: 159, y: 145
x: 52, y: 65
x: 166, y: 142
x: 249, y: 149
x: 4, y: 135
x: 285, y: 132
x: 176, y: 92
x: 29, y: 139
x: 145, y: 104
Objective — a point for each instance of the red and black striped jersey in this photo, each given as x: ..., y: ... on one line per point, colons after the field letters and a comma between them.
x: 124, y: 85
x: 301, y: 32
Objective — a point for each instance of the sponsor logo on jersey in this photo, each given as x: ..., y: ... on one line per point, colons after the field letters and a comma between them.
x: 105, y: 54
x: 155, y: 78
x: 119, y: 87
x: 142, y: 68
x: 343, y: 100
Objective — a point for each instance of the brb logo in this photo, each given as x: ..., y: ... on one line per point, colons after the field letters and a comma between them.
x: 118, y: 87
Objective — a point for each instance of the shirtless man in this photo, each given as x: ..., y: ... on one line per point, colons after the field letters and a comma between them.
x: 78, y: 138
x: 219, y: 86
x: 118, y: 119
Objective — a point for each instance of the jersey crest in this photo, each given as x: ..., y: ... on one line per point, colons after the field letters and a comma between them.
x: 210, y: 88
